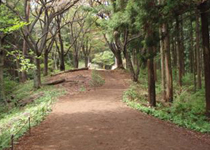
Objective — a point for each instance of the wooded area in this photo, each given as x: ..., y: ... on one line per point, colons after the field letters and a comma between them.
x: 38, y: 37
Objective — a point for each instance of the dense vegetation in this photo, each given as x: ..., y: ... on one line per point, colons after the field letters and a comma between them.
x: 163, y: 41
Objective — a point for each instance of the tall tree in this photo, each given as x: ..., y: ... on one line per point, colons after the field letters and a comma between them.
x: 204, y: 7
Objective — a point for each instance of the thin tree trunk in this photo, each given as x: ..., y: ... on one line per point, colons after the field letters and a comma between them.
x: 198, y: 55
x: 191, y: 52
x: 62, y: 60
x: 179, y: 55
x: 192, y: 56
x: 182, y: 54
x: 168, y: 70
x: 206, y: 52
x: 130, y: 66
x: 86, y: 61
x: 18, y: 70
x: 162, y: 52
x: 23, y: 73
x: 37, y: 74
x: 69, y: 57
x: 2, y: 95
x: 45, y: 63
x: 76, y: 61
x: 174, y: 57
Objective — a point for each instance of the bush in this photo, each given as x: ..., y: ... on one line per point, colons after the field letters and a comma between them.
x: 188, y: 110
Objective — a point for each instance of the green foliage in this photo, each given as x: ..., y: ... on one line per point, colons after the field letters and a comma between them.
x: 9, y: 84
x: 104, y: 58
x: 187, y: 110
x: 96, y: 79
x: 13, y: 121
x: 25, y: 63
x: 8, y: 22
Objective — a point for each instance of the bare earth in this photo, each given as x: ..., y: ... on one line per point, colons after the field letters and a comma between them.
x: 98, y: 120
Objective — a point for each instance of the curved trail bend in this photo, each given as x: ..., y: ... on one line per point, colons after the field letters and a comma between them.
x: 99, y: 120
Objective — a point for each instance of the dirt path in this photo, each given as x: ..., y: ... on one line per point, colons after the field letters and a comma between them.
x: 99, y: 120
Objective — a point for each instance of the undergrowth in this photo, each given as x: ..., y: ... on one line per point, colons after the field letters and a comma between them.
x: 96, y: 79
x: 13, y: 119
x: 187, y: 110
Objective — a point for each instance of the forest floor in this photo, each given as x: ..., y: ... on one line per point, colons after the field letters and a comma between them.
x: 97, y: 119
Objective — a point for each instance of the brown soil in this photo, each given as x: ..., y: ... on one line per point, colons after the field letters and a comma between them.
x: 99, y: 120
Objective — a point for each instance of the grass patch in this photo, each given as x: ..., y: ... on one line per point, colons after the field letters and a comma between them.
x: 96, y: 79
x: 14, y: 118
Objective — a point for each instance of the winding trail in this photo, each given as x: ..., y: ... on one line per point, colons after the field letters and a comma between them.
x: 99, y: 120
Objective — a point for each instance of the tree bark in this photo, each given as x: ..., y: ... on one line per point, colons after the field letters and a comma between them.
x: 37, y: 74
x: 174, y: 54
x: 62, y: 60
x: 87, y: 60
x: 2, y: 95
x: 151, y: 73
x: 168, y: 70
x: 130, y: 66
x: 206, y: 52
x: 45, y: 63
x: 18, y: 72
x: 76, y: 61
x: 27, y: 16
x: 162, y: 52
x: 117, y: 53
x: 182, y: 54
x: 119, y: 59
x: 151, y: 83
x: 198, y: 55
x: 23, y: 73
x: 179, y: 55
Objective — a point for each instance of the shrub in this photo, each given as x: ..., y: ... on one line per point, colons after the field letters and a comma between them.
x: 187, y: 110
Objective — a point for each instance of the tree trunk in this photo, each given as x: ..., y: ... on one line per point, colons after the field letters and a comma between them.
x: 162, y: 52
x: 2, y: 95
x: 37, y: 74
x: 27, y: 15
x: 55, y: 61
x: 191, y: 52
x: 130, y: 66
x: 18, y: 70
x: 179, y: 55
x: 174, y: 54
x: 182, y: 54
x: 151, y: 83
x: 62, y: 60
x: 86, y: 61
x: 45, y: 63
x: 119, y: 59
x: 151, y: 73
x: 76, y: 61
x: 206, y: 52
x: 168, y: 70
x: 23, y: 73
x: 198, y: 55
